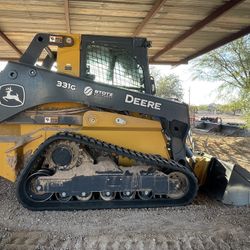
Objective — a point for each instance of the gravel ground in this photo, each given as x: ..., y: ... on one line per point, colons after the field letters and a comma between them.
x: 205, y: 224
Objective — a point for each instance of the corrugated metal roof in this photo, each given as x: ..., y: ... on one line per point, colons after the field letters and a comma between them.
x: 179, y: 30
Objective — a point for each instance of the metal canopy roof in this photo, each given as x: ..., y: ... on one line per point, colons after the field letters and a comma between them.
x: 179, y: 29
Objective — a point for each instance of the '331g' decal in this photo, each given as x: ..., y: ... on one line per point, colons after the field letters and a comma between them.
x: 65, y: 85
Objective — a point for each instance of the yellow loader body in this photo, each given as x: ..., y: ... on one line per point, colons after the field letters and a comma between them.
x: 84, y: 130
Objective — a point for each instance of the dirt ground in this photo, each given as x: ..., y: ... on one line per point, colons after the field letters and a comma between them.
x: 232, y: 149
x: 205, y: 224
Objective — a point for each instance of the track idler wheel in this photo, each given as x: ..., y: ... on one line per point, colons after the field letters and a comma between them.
x: 182, y: 185
x: 33, y: 191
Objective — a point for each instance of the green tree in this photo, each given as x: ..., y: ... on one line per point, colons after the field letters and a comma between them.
x: 203, y: 107
x: 230, y: 65
x: 231, y: 107
x: 167, y: 86
x: 194, y: 108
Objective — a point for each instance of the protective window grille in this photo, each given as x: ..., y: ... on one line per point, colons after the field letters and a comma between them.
x: 114, y: 66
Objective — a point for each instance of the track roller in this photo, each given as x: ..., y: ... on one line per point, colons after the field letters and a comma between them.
x: 85, y: 196
x: 127, y: 195
x: 145, y: 195
x: 108, y: 196
x: 63, y: 197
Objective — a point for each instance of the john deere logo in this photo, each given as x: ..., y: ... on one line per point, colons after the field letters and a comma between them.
x: 88, y: 91
x: 12, y: 95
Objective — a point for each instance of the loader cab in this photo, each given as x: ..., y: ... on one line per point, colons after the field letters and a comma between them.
x: 118, y: 61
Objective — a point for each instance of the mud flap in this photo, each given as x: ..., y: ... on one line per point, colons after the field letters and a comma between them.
x: 228, y: 183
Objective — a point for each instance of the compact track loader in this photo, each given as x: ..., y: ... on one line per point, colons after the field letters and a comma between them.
x: 92, y: 134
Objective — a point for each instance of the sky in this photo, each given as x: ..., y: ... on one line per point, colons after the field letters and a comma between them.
x: 201, y: 92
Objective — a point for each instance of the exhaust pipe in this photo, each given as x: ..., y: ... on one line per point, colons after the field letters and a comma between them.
x: 229, y: 183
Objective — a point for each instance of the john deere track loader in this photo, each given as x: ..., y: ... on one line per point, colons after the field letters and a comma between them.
x: 91, y: 134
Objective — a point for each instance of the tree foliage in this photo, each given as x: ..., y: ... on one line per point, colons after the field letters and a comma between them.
x: 229, y: 64
x: 167, y: 86
x: 231, y: 107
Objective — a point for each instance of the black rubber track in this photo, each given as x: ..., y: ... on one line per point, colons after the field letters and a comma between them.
x: 161, y: 163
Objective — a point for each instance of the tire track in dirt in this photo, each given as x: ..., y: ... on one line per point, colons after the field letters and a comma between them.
x: 221, y: 240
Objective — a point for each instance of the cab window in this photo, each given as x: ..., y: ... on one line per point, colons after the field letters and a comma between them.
x: 114, y: 66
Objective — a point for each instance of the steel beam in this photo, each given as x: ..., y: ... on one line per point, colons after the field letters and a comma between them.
x: 156, y: 7
x: 12, y: 45
x: 66, y: 12
x: 166, y: 62
x: 9, y: 59
x: 199, y: 25
x: 218, y: 44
